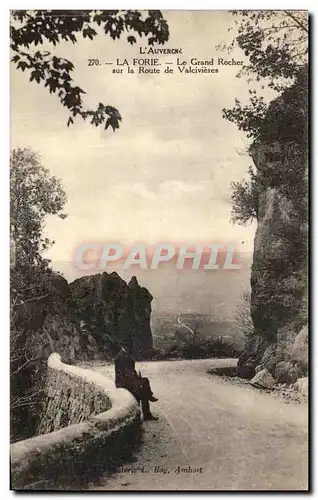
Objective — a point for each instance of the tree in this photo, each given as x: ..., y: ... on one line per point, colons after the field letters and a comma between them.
x: 35, y: 195
x: 245, y: 199
x: 25, y: 389
x: 244, y: 321
x: 276, y: 45
x: 32, y: 28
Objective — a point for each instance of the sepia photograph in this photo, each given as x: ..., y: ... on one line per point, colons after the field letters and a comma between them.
x: 159, y: 250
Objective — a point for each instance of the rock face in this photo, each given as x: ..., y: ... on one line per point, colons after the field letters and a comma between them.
x: 65, y: 335
x: 286, y: 372
x: 279, y: 270
x: 302, y: 385
x: 76, y: 320
x: 142, y: 342
x: 116, y: 313
x: 91, y: 317
x: 299, y: 350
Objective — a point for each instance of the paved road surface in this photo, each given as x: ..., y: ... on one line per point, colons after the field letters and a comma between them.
x: 231, y: 437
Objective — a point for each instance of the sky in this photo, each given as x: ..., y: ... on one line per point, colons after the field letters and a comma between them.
x: 165, y: 174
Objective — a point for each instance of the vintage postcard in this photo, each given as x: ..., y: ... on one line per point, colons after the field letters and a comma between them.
x: 159, y: 250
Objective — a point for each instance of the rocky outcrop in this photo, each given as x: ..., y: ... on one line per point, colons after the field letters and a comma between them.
x: 89, y: 318
x: 286, y: 372
x: 279, y: 270
x: 142, y: 343
x: 251, y: 357
x: 116, y: 313
x: 64, y: 334
x: 299, y: 350
x: 78, y: 321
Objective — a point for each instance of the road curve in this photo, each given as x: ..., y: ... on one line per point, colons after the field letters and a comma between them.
x: 213, y: 435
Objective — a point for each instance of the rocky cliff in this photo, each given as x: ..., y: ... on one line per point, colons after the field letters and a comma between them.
x: 279, y: 270
x: 89, y: 318
x: 116, y: 313
x: 85, y: 320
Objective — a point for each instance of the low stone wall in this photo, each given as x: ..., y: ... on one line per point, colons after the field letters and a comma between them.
x: 69, y: 399
x: 73, y: 456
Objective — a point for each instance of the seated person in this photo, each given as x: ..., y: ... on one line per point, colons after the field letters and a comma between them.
x: 127, y: 378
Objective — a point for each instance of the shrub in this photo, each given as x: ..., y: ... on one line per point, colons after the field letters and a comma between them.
x: 244, y: 323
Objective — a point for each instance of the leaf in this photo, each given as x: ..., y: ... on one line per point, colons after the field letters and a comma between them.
x: 113, y: 122
x: 131, y: 39
x: 78, y: 90
x: 23, y: 65
x: 89, y: 32
x: 52, y: 84
x: 69, y: 121
x: 36, y: 75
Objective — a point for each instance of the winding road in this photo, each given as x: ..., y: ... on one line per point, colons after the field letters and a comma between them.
x: 214, y: 435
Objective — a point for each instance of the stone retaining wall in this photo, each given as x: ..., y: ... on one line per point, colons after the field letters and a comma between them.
x: 76, y: 455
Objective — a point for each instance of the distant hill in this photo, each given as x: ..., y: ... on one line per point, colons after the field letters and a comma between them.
x: 214, y: 293
x: 166, y: 331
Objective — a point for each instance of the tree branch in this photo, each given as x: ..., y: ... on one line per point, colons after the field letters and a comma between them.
x: 294, y: 18
x: 28, y: 361
x: 33, y: 299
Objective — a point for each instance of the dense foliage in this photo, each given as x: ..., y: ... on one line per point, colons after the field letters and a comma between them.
x: 35, y: 195
x: 245, y: 199
x: 276, y: 46
x: 244, y: 323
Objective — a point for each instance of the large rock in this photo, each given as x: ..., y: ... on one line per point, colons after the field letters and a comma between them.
x: 279, y: 270
x: 115, y: 312
x: 269, y: 358
x: 302, y: 385
x: 142, y: 344
x: 251, y: 357
x: 285, y: 338
x: 286, y: 372
x: 63, y: 335
x: 299, y: 350
x: 263, y: 380
x: 78, y: 320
